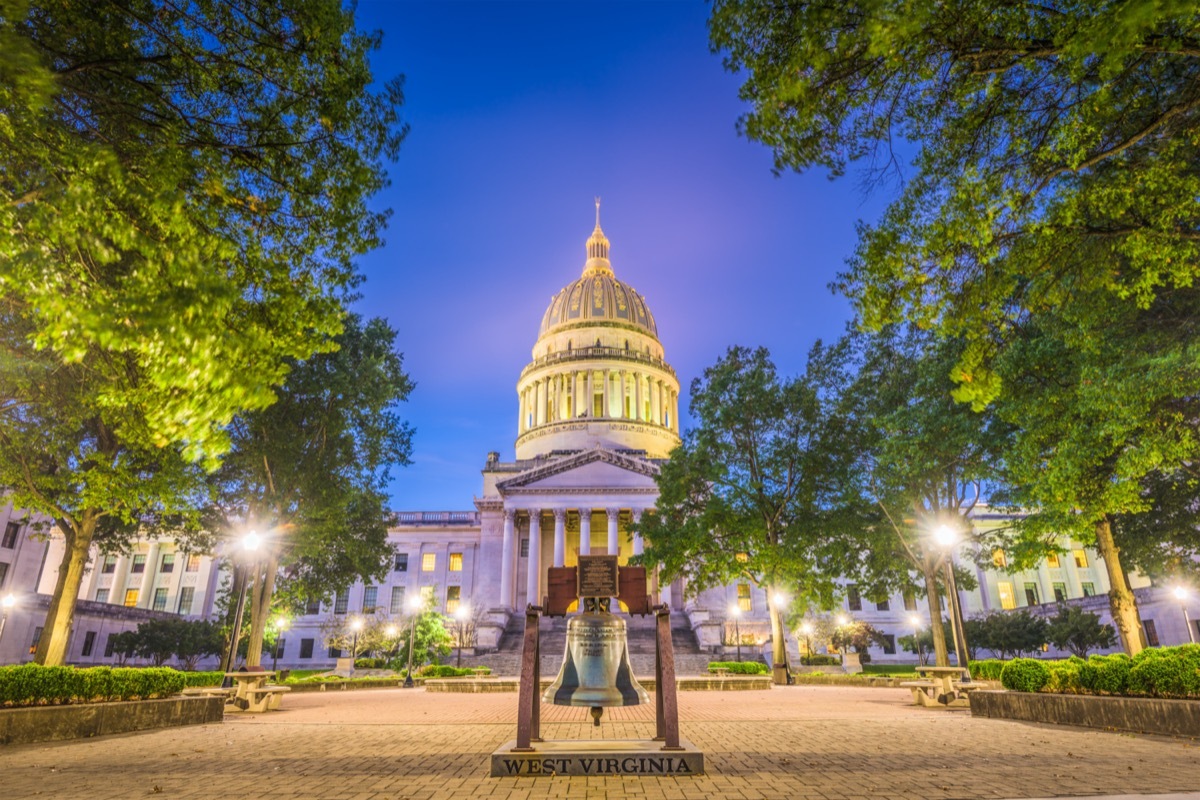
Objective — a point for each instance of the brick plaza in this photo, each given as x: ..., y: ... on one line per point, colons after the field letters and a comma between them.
x: 796, y: 742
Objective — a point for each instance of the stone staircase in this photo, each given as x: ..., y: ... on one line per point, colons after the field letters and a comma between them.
x: 506, y: 661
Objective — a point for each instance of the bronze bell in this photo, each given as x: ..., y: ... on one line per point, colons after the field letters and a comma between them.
x: 596, y: 671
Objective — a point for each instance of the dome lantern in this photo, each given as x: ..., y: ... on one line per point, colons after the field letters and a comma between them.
x: 597, y: 249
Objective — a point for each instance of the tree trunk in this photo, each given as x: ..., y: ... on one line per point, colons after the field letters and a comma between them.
x: 936, y: 629
x: 260, y: 610
x: 1120, y: 597
x: 56, y: 632
x: 778, y: 644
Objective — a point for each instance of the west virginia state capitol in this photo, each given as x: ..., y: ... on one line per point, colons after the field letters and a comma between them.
x: 597, y: 414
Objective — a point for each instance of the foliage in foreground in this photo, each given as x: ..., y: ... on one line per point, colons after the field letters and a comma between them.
x: 1170, y: 672
x: 36, y: 685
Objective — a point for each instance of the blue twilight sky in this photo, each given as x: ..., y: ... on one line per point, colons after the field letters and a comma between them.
x: 521, y: 113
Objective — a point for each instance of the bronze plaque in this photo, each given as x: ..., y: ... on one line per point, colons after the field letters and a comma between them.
x: 598, y: 576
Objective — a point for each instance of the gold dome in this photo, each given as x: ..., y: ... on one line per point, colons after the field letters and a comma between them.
x: 597, y: 297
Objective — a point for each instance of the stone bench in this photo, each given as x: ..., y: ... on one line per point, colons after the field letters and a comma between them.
x: 208, y: 691
x: 929, y: 694
x: 264, y: 698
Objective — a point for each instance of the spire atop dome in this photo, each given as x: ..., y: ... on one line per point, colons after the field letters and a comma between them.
x: 597, y: 249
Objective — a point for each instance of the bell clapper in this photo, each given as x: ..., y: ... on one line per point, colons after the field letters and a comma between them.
x: 597, y: 712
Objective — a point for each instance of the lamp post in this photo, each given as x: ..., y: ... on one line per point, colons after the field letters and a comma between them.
x: 250, y: 543
x: 390, y: 632
x: 1181, y: 594
x: 281, y: 625
x: 806, y: 628
x: 356, y: 625
x: 946, y: 537
x: 915, y: 621
x: 414, y: 605
x: 735, y: 611
x: 8, y: 603
x: 460, y: 617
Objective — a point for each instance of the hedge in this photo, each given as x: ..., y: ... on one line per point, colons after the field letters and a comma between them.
x: 987, y: 669
x: 739, y: 667
x: 203, y: 678
x: 36, y: 685
x: 1025, y: 675
x: 371, y: 663
x: 1166, y: 672
x: 1170, y: 672
x: 820, y: 661
x: 447, y: 671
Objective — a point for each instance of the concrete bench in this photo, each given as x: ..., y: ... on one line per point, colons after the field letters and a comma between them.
x: 208, y: 691
x: 921, y: 690
x: 931, y: 694
x: 260, y: 699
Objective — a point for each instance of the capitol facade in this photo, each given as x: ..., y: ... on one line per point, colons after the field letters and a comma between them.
x: 597, y: 415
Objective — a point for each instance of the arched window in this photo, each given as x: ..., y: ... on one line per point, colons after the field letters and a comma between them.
x: 568, y: 345
x: 626, y: 344
x: 597, y: 341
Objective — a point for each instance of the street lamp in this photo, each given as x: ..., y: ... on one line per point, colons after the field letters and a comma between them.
x: 915, y: 621
x: 7, y: 603
x: 806, y: 628
x: 460, y: 616
x: 414, y: 604
x: 1181, y: 594
x: 241, y: 576
x: 281, y: 625
x: 390, y: 632
x: 735, y: 611
x: 356, y: 625
x: 947, y: 537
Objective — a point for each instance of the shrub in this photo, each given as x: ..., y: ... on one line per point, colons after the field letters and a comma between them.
x: 739, y: 667
x: 1025, y: 675
x: 370, y: 663
x: 820, y: 661
x: 202, y: 678
x: 987, y: 670
x: 34, y: 685
x: 1064, y: 678
x: 1166, y: 672
x: 1106, y: 674
x: 446, y: 671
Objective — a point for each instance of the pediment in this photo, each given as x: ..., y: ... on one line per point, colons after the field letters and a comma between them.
x: 590, y: 469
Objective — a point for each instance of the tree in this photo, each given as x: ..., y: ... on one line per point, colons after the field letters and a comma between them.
x: 1010, y: 633
x: 749, y: 494
x: 1054, y: 205
x: 183, y: 189
x: 431, y: 642
x: 1079, y: 631
x: 856, y: 634
x: 124, y: 644
x: 311, y: 471
x: 187, y: 640
x: 922, y: 459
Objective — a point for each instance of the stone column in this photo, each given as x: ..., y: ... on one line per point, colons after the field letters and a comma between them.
x: 638, y: 544
x: 590, y: 408
x: 146, y: 593
x: 585, y: 531
x: 560, y: 536
x: 507, y: 562
x: 607, y: 404
x: 621, y: 409
x: 614, y: 515
x: 637, y: 397
x: 533, y: 583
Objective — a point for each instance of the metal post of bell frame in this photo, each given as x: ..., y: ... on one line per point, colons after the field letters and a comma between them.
x: 666, y: 699
x: 529, y: 725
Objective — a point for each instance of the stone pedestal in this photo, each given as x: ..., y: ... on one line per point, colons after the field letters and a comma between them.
x: 851, y: 664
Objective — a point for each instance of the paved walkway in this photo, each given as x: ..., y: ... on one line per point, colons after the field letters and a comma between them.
x: 799, y: 742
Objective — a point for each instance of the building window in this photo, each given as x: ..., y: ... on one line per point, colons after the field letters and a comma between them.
x: 401, y: 564
x: 853, y: 599
x: 429, y: 562
x: 335, y: 652
x: 1052, y: 561
x: 89, y: 643
x: 525, y: 548
x: 168, y: 563
x: 10, y: 534
x: 193, y: 562
x: 1060, y: 592
x: 883, y: 605
x: 160, y: 599
x: 999, y: 560
x: 3, y: 573
x: 110, y: 565
x: 910, y: 601
x: 1031, y: 594
x: 109, y: 645
x: 1007, y: 600
x: 313, y: 606
x: 186, y: 594
x: 744, y: 597
x: 342, y: 604
x: 37, y: 637
x: 426, y: 597
x: 131, y: 598
x: 456, y: 562
x: 889, y: 644
x: 397, y: 606
x: 453, y: 595
x: 1147, y: 624
x: 742, y: 557
x: 306, y: 648
x: 370, y: 598
x: 102, y: 595
x: 1080, y: 558
x: 139, y: 563
x: 1089, y: 589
